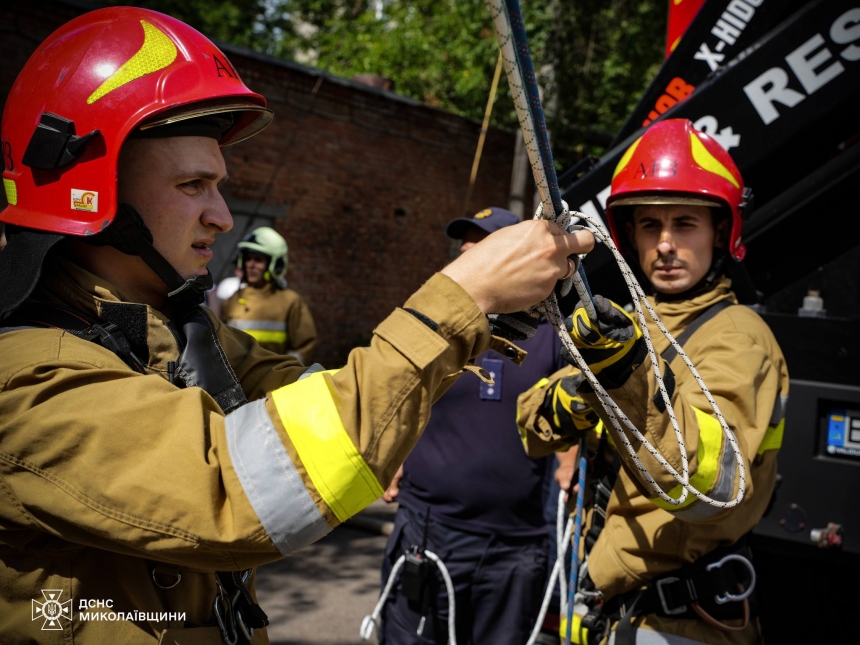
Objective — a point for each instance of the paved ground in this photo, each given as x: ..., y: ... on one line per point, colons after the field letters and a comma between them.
x: 321, y: 595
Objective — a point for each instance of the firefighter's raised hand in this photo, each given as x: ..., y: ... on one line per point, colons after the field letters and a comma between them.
x: 517, y: 266
x: 612, y: 345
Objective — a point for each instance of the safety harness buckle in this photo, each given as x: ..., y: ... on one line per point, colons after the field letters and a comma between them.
x: 669, y: 607
x: 111, y: 338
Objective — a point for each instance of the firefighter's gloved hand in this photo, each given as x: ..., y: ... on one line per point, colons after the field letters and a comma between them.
x: 517, y: 326
x: 612, y: 346
x: 570, y: 415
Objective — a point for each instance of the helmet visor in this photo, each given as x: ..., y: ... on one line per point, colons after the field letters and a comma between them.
x: 248, y: 118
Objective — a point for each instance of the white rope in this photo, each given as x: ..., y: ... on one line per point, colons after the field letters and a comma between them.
x: 563, y: 541
x: 449, y: 585
x: 550, y: 309
x: 371, y: 621
x: 560, y: 551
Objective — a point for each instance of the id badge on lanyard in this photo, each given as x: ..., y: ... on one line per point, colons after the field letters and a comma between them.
x: 492, y: 392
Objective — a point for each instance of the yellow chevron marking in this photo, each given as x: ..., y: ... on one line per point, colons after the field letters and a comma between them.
x: 11, y: 191
x: 707, y: 161
x: 157, y: 52
x: 626, y: 158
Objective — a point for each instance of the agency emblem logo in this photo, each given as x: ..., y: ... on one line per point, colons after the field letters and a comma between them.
x: 52, y: 610
x: 484, y: 213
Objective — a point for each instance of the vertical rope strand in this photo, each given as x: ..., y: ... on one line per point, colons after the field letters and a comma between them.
x: 514, y: 46
x: 573, y: 585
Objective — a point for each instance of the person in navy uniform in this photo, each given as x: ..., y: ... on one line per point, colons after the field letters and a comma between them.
x: 470, y: 488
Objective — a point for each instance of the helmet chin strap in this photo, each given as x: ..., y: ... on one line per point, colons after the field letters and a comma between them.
x: 128, y: 234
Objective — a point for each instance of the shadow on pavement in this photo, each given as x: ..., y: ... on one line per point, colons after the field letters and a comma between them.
x: 320, y: 595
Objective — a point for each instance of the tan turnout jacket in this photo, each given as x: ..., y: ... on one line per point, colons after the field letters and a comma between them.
x: 644, y: 537
x: 107, y: 474
x: 279, y: 319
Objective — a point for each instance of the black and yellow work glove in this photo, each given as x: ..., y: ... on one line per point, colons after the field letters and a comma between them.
x: 612, y: 346
x: 522, y: 325
x: 517, y: 326
x: 568, y: 412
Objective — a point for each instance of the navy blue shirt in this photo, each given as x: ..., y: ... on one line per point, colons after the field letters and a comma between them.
x: 470, y: 466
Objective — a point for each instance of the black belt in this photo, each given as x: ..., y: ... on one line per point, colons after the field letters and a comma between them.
x: 713, y: 589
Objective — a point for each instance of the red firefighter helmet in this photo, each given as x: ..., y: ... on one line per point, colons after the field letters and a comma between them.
x: 82, y: 92
x: 673, y: 163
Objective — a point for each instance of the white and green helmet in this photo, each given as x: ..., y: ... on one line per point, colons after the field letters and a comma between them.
x: 269, y: 242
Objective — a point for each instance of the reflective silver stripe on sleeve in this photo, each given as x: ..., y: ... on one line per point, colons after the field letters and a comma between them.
x: 779, y: 407
x: 313, y: 369
x: 722, y: 490
x: 260, y: 325
x: 270, y: 480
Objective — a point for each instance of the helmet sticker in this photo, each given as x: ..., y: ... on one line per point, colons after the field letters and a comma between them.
x: 156, y: 53
x: 85, y: 200
x: 221, y: 67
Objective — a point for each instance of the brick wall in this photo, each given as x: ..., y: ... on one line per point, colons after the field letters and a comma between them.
x: 365, y: 180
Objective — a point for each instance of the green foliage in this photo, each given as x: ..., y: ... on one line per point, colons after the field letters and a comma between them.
x: 604, y: 54
x: 594, y: 57
x: 249, y: 23
x: 441, y: 52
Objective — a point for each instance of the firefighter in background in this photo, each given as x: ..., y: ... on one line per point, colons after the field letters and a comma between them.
x: 675, y: 210
x: 151, y: 456
x: 277, y: 317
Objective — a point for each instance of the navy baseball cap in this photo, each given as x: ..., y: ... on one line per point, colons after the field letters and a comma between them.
x: 489, y: 219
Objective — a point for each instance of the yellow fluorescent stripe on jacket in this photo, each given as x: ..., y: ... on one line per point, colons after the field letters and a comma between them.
x: 334, y: 465
x: 710, y: 447
x: 772, y: 438
x: 266, y: 336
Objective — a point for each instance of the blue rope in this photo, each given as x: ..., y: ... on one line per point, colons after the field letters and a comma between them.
x: 577, y: 533
x: 524, y: 58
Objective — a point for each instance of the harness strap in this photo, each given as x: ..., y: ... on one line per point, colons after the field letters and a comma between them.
x: 688, y: 592
x: 77, y: 323
x: 671, y: 352
x: 236, y: 612
x: 601, y: 489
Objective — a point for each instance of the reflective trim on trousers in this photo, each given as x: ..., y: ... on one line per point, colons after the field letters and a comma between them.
x: 333, y: 463
x: 269, y: 478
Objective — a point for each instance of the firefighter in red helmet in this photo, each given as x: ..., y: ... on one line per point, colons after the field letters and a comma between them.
x: 150, y: 456
x: 677, y: 573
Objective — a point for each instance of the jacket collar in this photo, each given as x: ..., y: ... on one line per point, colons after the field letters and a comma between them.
x: 64, y: 283
x: 677, y: 314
